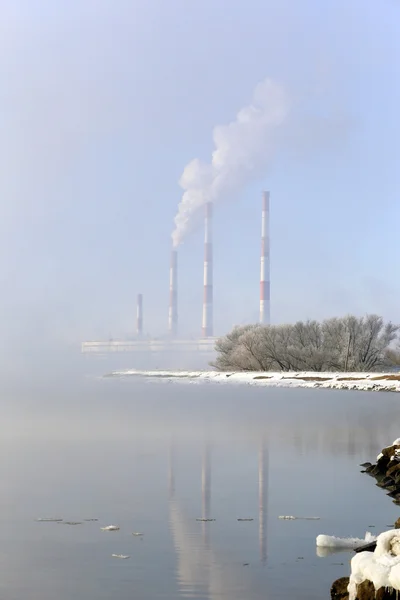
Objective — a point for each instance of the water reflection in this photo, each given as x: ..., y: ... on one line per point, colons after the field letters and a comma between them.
x: 322, y: 552
x: 154, y: 459
x: 309, y: 421
x: 171, y: 472
x: 203, y: 570
x: 206, y: 490
x: 263, y: 499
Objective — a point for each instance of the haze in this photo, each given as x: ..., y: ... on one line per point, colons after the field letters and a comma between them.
x: 103, y: 104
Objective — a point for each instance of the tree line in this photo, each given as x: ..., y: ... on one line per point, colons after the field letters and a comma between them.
x: 339, y: 344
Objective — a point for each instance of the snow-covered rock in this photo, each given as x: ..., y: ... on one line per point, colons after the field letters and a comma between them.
x: 381, y: 567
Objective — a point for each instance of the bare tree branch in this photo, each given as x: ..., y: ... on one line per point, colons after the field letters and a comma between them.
x: 350, y: 343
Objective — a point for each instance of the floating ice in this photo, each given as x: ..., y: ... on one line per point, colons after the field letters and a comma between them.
x: 292, y: 518
x: 49, y: 520
x: 331, y: 541
x: 324, y: 552
x: 137, y: 533
x: 110, y: 528
x: 120, y: 556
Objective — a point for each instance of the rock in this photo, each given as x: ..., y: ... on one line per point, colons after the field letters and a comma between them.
x: 389, y: 451
x: 381, y: 483
x: 383, y: 463
x: 366, y: 464
x: 386, y: 472
x: 393, y: 469
x: 388, y: 480
x: 395, y: 494
x: 397, y: 524
x: 369, y: 547
x: 366, y: 591
x: 393, y: 488
x: 376, y: 471
x: 339, y: 589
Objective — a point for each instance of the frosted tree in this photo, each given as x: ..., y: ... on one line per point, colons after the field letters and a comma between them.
x: 228, y: 350
x: 306, y: 350
x: 340, y: 344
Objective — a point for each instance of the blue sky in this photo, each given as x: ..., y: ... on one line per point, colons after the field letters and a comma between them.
x: 103, y: 104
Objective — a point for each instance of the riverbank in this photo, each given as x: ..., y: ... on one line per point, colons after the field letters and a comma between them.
x: 375, y: 569
x: 381, y: 382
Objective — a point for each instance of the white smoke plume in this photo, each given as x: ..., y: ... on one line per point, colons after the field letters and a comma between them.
x: 243, y: 151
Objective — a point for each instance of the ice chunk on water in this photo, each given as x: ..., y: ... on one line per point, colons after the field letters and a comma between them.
x: 331, y: 541
x: 292, y: 518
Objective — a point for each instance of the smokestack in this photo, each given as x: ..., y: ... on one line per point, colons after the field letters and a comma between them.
x: 265, y: 287
x: 139, y: 315
x: 207, y: 328
x: 173, y: 294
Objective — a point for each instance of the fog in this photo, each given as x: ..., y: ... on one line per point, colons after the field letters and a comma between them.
x: 105, y: 103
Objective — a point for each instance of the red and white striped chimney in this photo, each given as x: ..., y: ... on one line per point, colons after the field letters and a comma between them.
x: 207, y: 328
x: 265, y: 287
x: 139, y: 315
x: 173, y: 294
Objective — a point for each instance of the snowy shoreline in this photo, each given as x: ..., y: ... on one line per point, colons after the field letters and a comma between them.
x: 377, y: 382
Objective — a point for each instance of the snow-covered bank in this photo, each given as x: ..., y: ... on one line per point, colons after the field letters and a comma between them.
x: 388, y: 382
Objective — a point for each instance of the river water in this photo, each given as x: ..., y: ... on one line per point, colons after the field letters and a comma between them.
x: 155, y: 457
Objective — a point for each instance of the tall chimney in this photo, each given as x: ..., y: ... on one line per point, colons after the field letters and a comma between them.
x: 173, y: 294
x: 207, y: 328
x: 265, y: 287
x: 139, y: 315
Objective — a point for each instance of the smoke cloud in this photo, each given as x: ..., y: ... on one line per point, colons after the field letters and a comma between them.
x: 243, y: 151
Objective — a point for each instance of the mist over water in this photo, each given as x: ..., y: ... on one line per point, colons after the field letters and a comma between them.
x: 155, y: 457
x: 103, y: 105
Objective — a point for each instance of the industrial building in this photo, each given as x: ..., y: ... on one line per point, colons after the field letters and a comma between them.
x: 206, y: 343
